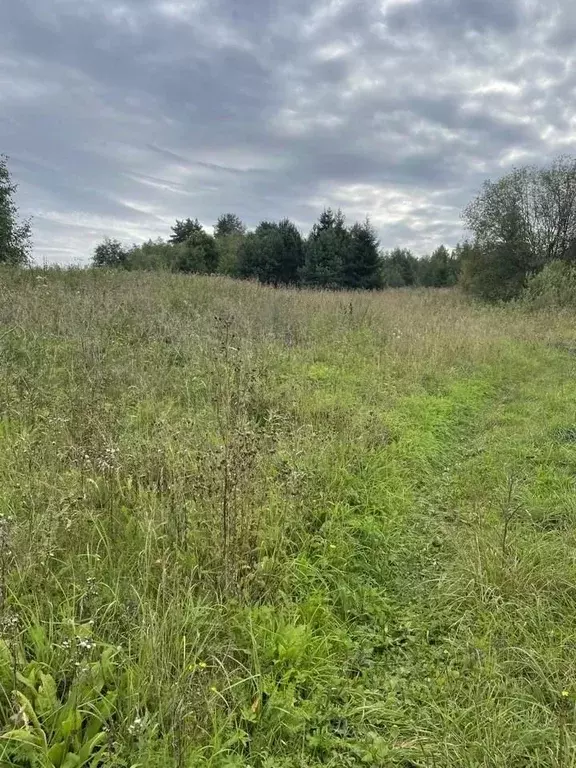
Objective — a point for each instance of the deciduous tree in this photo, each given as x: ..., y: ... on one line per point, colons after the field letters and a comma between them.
x: 15, y: 235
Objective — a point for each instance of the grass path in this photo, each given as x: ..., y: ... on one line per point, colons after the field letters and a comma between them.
x: 498, y: 594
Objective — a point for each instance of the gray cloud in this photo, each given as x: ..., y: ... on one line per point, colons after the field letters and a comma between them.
x: 455, y: 16
x: 121, y: 115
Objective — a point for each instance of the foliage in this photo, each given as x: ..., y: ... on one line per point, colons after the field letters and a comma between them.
x: 440, y: 269
x: 361, y: 260
x: 273, y: 254
x: 399, y: 268
x: 228, y: 253
x: 325, y: 528
x: 15, y: 236
x: 334, y: 256
x: 110, y: 253
x: 492, y: 272
x: 554, y: 286
x: 520, y: 223
x: 229, y: 224
x: 153, y: 255
x: 326, y: 249
x: 198, y: 253
x: 184, y: 229
x: 63, y: 699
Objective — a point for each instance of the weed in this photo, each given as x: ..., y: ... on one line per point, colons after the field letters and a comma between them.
x: 282, y: 529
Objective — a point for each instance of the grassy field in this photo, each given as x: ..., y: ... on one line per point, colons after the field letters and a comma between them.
x: 275, y: 529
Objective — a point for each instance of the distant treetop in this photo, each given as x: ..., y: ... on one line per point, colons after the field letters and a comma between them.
x: 229, y: 224
x: 184, y: 229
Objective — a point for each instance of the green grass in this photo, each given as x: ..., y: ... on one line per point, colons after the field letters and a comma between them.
x: 276, y: 529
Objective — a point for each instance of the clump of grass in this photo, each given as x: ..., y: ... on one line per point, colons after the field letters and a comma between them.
x: 277, y: 529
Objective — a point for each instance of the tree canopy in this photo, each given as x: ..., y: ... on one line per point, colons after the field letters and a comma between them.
x: 520, y: 223
x: 15, y: 235
x: 229, y: 224
x: 273, y: 254
x: 183, y: 229
x: 325, y: 251
x: 361, y: 258
x: 110, y: 253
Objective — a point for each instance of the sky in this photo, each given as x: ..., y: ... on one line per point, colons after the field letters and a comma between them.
x: 119, y: 117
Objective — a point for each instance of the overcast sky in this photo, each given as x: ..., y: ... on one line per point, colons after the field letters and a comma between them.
x: 120, y: 116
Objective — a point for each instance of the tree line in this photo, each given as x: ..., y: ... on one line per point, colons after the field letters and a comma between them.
x: 518, y: 226
x: 333, y: 255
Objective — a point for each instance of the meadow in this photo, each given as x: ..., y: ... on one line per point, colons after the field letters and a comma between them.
x: 253, y: 528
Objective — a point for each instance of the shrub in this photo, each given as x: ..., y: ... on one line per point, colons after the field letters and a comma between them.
x: 493, y: 273
x: 399, y: 268
x: 554, y: 286
x: 228, y: 248
x: 153, y: 255
x: 197, y: 254
x: 110, y: 253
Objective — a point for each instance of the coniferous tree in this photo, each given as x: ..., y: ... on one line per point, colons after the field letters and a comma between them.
x: 440, y: 270
x: 325, y: 251
x: 361, y: 260
x: 399, y: 268
x: 183, y: 229
x: 274, y: 253
x: 229, y: 224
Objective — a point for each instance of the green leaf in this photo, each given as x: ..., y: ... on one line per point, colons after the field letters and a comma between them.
x: 88, y: 748
x: 47, y: 699
x: 71, y: 723
x: 71, y: 761
x: 42, y: 648
x: 28, y: 681
x: 28, y: 710
x: 24, y: 736
x: 93, y: 726
x: 96, y: 681
x: 105, y: 706
x: 108, y: 667
x: 56, y: 753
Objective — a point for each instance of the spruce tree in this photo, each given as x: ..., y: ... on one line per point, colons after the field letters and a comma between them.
x: 325, y: 251
x: 229, y: 224
x: 184, y: 229
x: 274, y: 253
x: 361, y: 260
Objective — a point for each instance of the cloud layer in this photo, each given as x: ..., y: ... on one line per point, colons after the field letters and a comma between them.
x: 120, y: 116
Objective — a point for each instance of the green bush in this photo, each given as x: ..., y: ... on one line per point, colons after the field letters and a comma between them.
x: 153, y: 255
x: 399, y: 268
x: 110, y: 253
x: 554, y: 286
x: 228, y: 247
x: 492, y: 273
x: 197, y: 254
